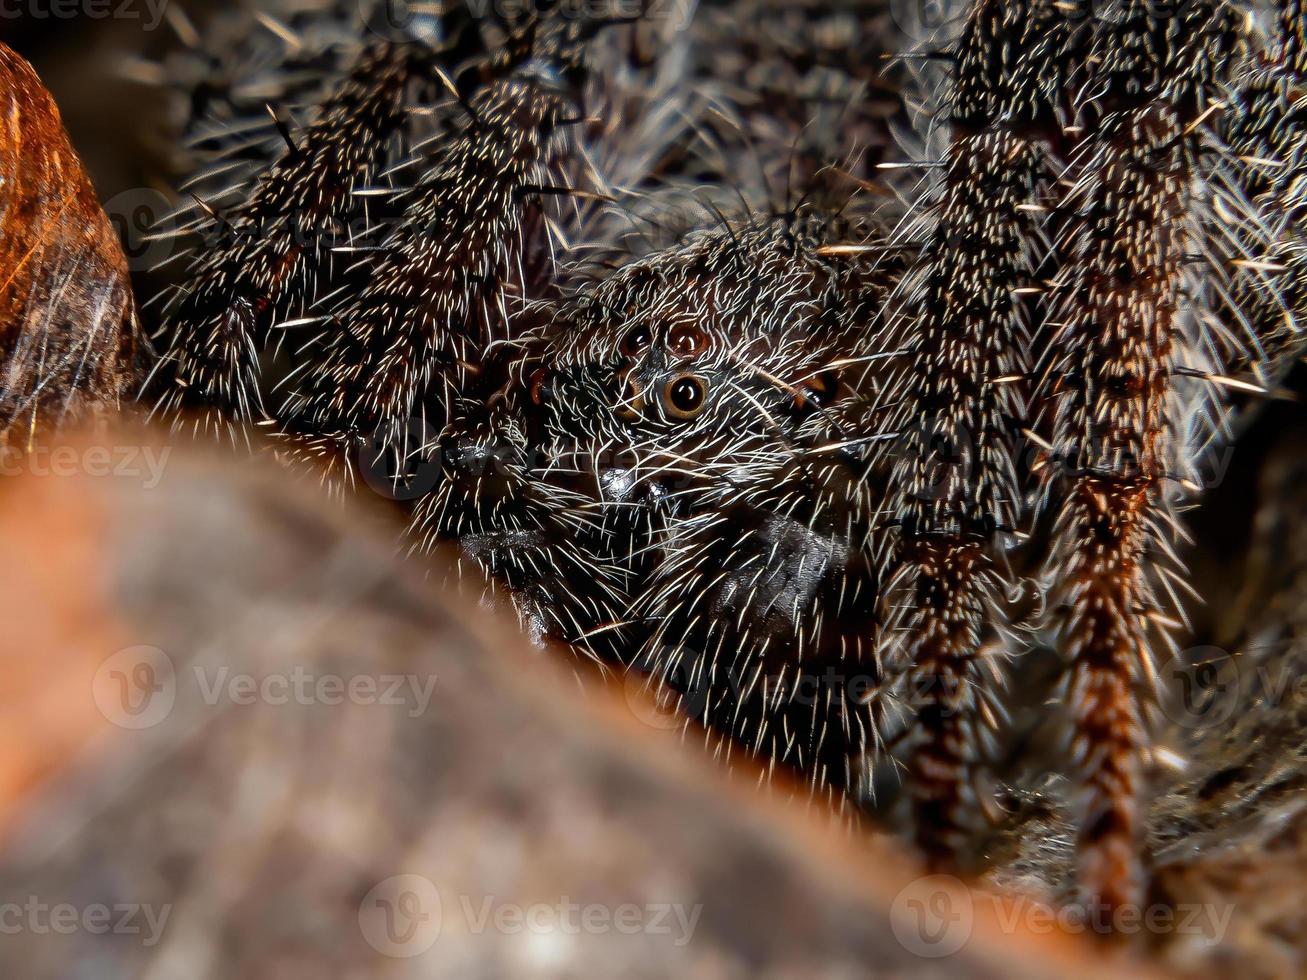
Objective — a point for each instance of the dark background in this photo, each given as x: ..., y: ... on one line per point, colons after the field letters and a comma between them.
x: 119, y: 124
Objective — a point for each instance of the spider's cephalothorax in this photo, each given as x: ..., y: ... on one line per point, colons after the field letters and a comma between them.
x: 730, y: 380
x: 785, y: 460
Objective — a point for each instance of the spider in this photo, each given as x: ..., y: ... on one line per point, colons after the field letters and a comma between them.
x: 647, y: 317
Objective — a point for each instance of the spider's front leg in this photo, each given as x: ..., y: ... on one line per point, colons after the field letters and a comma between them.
x: 270, y: 255
x: 412, y: 334
x: 440, y: 332
x: 1123, y: 337
x: 961, y: 316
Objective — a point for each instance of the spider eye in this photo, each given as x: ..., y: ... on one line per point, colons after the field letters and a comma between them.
x: 820, y: 389
x: 537, y: 385
x: 685, y: 396
x: 686, y: 340
x: 637, y: 340
x: 630, y: 405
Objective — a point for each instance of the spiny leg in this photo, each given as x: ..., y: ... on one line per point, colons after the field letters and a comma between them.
x: 962, y: 316
x: 273, y: 250
x: 449, y: 279
x: 1261, y: 147
x: 1121, y: 328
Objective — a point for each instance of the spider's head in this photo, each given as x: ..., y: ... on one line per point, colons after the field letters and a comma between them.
x: 710, y: 359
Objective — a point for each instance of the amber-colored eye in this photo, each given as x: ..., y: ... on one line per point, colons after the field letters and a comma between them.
x: 630, y: 405
x: 537, y: 385
x: 686, y: 340
x: 637, y: 340
x: 820, y: 389
x: 685, y: 396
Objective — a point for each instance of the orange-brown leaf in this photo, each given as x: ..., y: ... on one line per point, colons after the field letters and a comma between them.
x: 69, y: 340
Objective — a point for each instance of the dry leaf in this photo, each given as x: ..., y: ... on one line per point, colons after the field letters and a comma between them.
x: 69, y: 339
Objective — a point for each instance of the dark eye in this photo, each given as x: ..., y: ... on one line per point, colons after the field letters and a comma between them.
x: 686, y: 340
x: 630, y: 404
x: 637, y: 340
x: 820, y: 389
x: 684, y: 397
